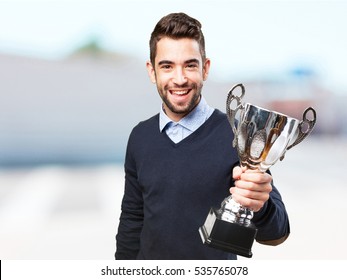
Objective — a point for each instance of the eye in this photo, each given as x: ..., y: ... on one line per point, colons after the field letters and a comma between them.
x: 166, y: 66
x: 192, y: 66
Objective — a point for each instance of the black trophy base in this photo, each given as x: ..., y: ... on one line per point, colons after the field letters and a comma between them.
x: 227, y: 236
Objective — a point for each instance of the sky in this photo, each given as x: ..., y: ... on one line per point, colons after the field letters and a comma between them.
x: 253, y: 38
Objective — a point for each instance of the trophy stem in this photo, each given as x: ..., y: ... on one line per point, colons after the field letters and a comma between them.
x: 234, y: 212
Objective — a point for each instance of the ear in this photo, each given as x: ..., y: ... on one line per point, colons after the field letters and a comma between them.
x: 151, y: 72
x: 206, y: 68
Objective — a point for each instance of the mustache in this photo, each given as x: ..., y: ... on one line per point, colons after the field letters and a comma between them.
x: 183, y: 86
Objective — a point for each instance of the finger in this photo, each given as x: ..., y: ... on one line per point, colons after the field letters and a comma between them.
x: 254, y: 205
x: 250, y: 194
x: 255, y: 202
x: 256, y: 177
x: 237, y: 171
x: 253, y: 187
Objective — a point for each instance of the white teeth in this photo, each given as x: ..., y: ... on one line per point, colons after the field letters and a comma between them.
x: 180, y: 92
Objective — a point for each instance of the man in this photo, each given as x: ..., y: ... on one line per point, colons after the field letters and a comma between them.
x: 181, y: 161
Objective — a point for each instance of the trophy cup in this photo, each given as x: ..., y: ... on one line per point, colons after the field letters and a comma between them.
x: 261, y: 137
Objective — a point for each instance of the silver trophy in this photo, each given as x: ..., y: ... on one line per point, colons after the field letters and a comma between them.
x: 261, y: 137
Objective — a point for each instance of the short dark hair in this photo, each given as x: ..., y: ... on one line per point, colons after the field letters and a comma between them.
x: 177, y: 26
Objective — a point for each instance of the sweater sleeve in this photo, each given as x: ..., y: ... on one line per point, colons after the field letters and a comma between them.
x: 131, y: 218
x: 272, y: 220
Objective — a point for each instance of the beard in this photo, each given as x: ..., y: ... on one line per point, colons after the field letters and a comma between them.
x: 185, y: 107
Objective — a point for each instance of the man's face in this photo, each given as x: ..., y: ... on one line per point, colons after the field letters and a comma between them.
x: 179, y: 73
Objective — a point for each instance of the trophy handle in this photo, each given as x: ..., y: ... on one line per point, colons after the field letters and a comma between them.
x: 231, y: 113
x: 305, y: 127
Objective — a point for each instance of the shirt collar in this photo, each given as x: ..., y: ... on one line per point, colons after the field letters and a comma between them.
x: 191, y: 121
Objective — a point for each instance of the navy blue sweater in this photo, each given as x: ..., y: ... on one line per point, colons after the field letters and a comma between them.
x: 169, y: 189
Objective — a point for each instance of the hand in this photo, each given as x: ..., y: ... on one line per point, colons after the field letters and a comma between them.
x: 252, y: 188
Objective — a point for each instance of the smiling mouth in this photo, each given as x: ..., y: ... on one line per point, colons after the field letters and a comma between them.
x: 179, y: 92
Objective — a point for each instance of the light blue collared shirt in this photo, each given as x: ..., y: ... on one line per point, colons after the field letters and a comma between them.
x: 177, y: 131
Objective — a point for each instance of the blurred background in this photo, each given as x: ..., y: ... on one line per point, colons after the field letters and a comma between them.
x: 73, y: 83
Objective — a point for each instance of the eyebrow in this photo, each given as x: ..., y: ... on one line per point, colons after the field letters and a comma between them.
x: 165, y: 62
x: 193, y: 60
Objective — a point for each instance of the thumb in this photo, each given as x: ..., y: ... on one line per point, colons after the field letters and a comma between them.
x: 237, y: 171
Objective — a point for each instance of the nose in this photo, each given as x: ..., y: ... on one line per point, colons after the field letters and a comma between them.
x: 179, y: 77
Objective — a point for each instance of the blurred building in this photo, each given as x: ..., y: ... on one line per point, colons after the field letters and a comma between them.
x: 292, y: 93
